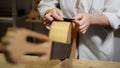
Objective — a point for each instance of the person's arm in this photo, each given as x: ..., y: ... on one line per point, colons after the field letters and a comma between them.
x: 112, y: 12
x: 45, y: 5
x: 49, y: 11
x: 84, y: 20
x: 110, y: 17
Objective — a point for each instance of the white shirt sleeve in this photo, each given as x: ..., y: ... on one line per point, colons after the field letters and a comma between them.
x: 45, y: 5
x: 112, y: 11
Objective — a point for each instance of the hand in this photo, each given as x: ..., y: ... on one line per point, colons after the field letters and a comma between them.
x: 82, y: 22
x: 53, y: 14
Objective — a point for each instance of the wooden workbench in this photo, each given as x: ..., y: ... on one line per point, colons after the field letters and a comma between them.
x: 68, y: 63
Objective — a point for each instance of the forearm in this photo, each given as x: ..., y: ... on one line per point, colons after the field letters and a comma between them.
x: 100, y: 20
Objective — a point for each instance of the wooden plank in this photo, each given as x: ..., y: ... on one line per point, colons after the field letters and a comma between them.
x: 87, y: 64
x: 58, y: 64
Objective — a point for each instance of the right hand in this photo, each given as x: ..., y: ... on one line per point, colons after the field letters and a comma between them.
x: 53, y: 14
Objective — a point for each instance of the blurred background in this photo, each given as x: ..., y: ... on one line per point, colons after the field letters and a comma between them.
x: 24, y: 13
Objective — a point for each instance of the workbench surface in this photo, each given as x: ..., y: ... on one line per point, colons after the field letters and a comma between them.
x: 68, y: 63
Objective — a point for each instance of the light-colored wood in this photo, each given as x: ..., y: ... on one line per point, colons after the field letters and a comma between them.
x: 60, y: 31
x: 74, y: 39
x: 64, y: 32
x: 74, y: 63
x: 18, y: 46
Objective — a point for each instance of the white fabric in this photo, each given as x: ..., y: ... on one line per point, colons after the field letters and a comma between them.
x: 98, y: 42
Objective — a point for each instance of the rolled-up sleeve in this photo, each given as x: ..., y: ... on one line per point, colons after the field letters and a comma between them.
x: 45, y: 5
x: 112, y: 12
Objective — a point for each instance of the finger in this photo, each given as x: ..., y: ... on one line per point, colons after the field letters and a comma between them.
x: 82, y: 26
x: 47, y: 23
x: 49, y: 17
x: 57, y: 16
x: 83, y: 31
x: 76, y: 21
x: 60, y: 14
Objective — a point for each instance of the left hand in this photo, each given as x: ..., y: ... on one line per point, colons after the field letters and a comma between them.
x: 82, y: 22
